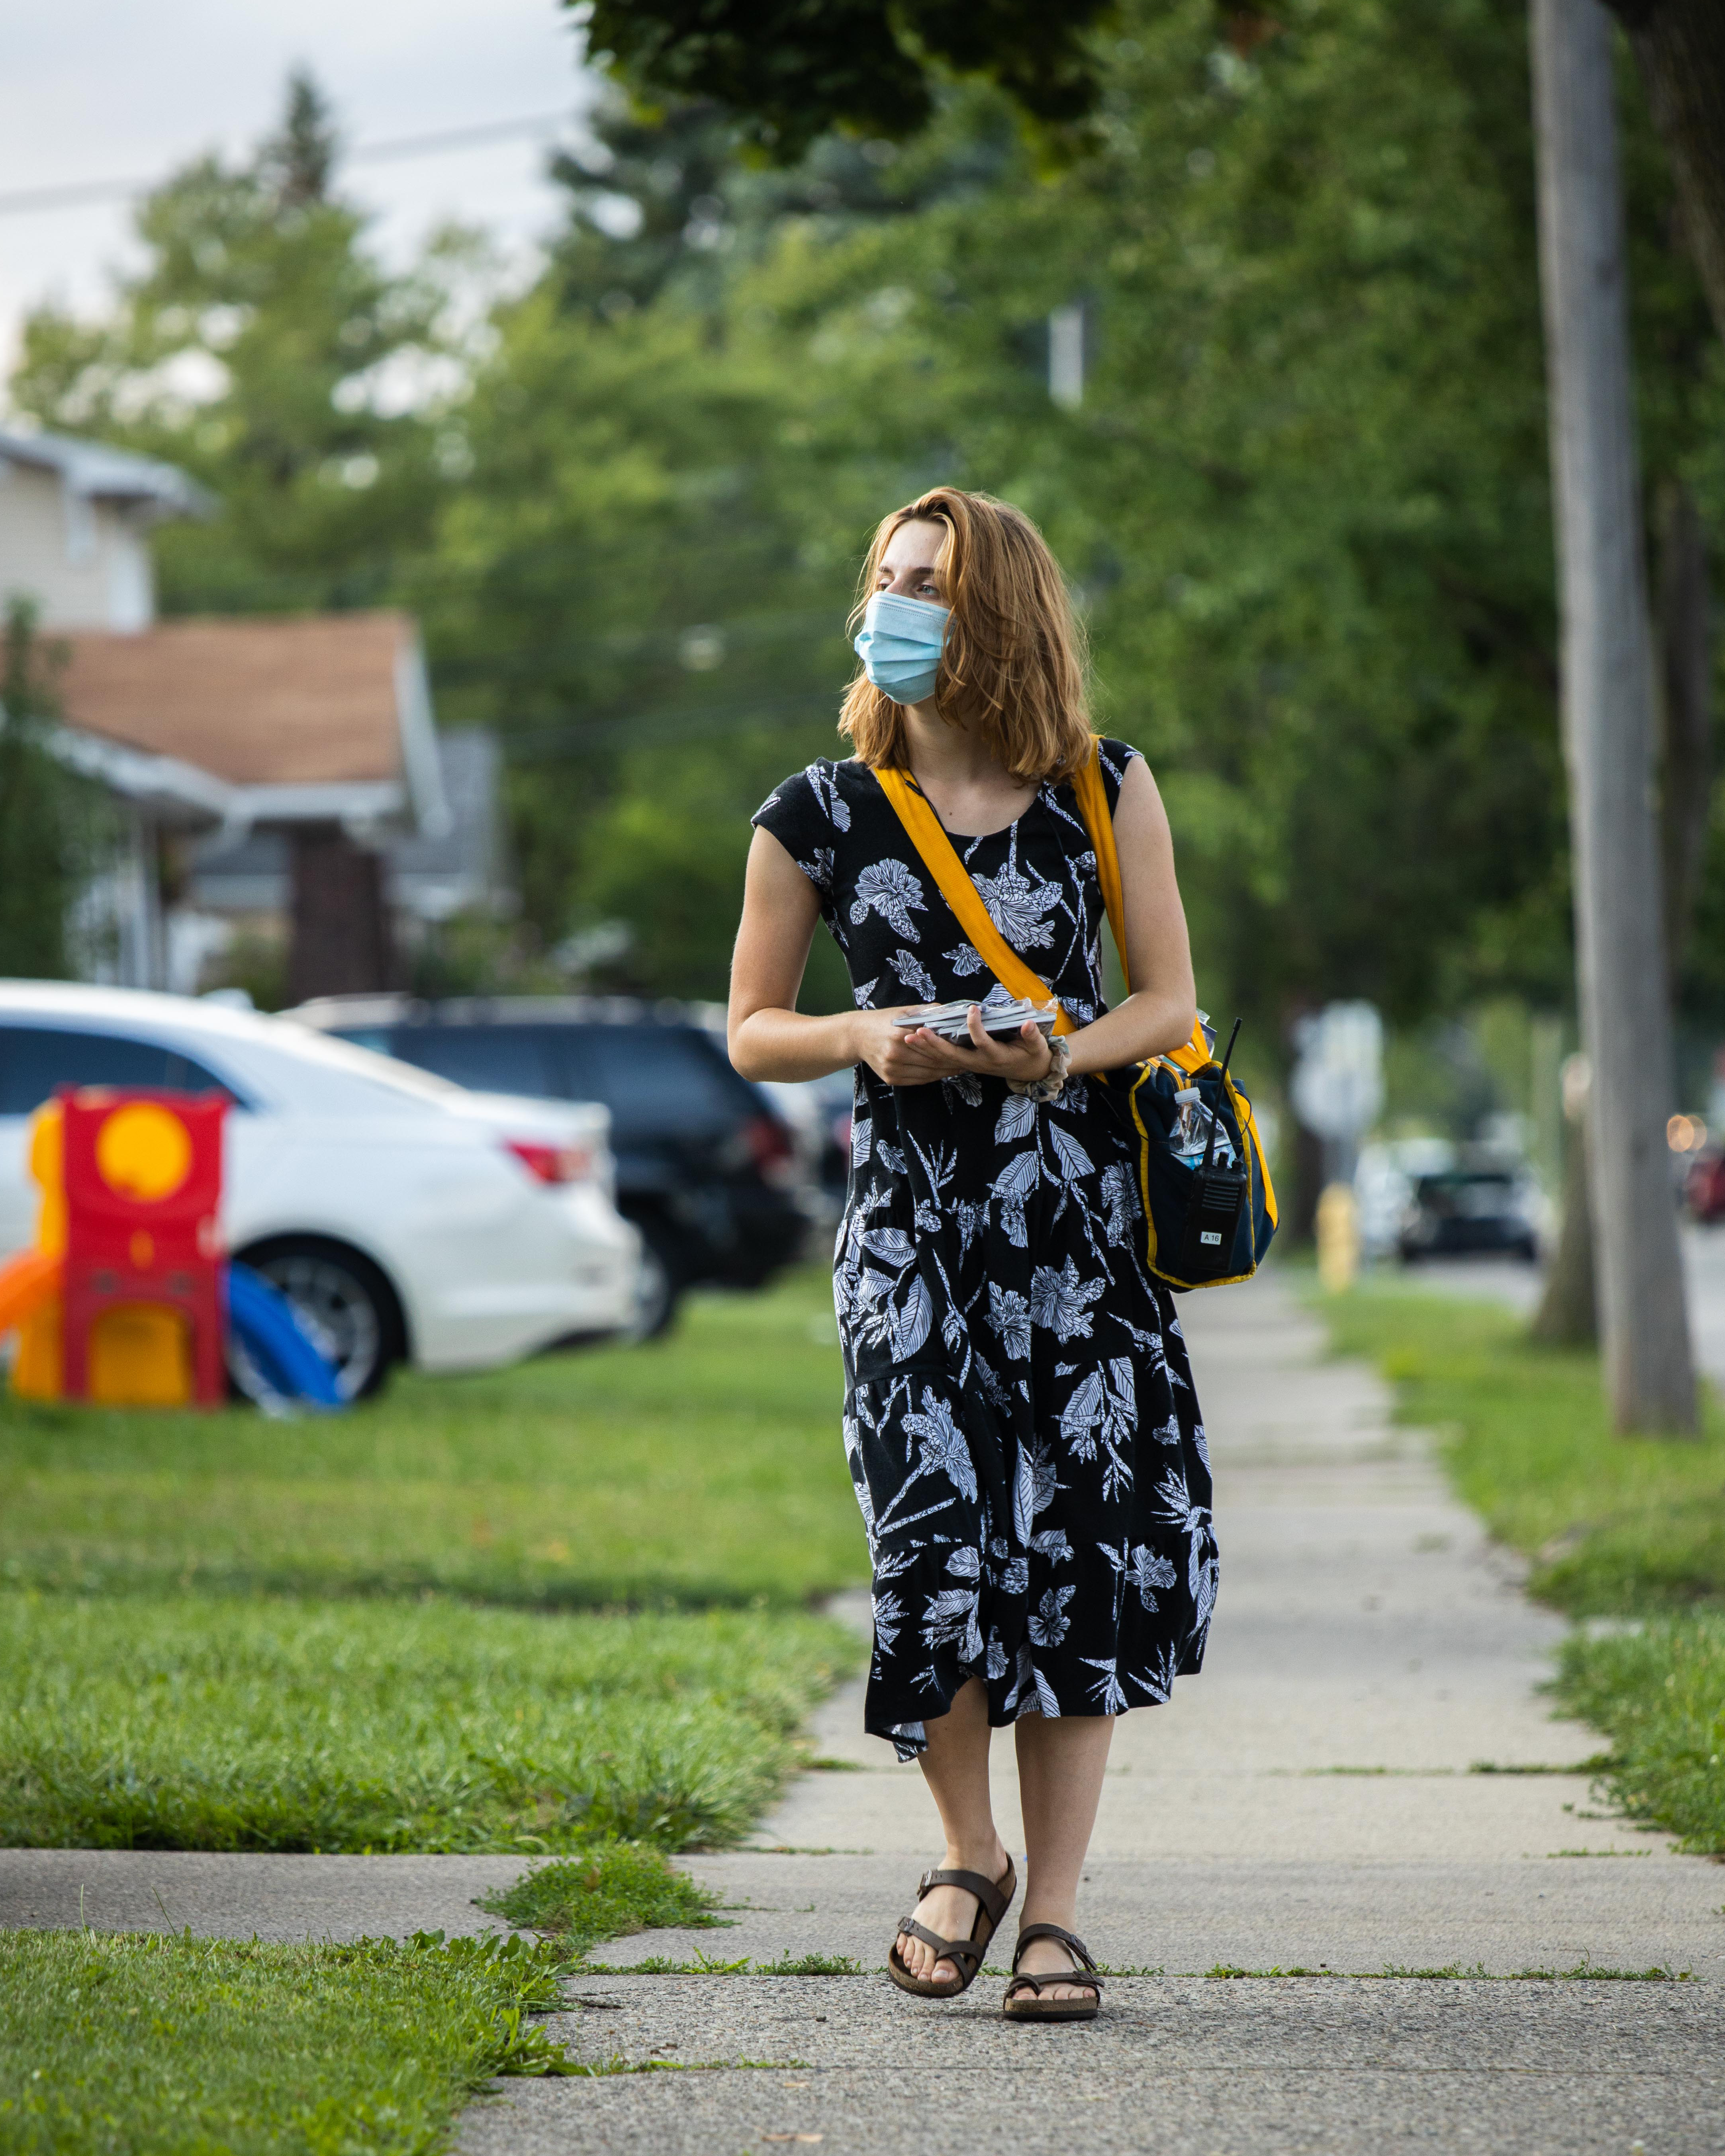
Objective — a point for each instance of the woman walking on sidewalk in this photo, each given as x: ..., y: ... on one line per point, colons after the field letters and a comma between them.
x: 1020, y: 1415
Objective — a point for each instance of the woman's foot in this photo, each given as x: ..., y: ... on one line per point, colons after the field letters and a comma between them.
x: 950, y: 1913
x: 1070, y: 1990
x: 1049, y: 1957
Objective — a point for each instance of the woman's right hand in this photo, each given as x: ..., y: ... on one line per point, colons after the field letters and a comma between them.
x: 902, y: 1055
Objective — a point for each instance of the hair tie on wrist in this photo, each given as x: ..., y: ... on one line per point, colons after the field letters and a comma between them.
x: 1048, y: 1086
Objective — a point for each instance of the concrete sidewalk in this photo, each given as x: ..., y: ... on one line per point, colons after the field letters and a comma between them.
x: 231, y: 1897
x: 1315, y: 1800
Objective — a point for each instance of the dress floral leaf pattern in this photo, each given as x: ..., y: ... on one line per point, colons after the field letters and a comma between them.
x: 1019, y: 1417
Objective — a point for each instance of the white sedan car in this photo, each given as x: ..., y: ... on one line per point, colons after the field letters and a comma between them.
x: 410, y: 1220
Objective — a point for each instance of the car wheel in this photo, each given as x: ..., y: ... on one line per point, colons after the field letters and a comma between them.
x: 349, y: 1306
x: 661, y: 1285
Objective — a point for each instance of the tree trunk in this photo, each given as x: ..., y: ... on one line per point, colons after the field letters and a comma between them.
x: 341, y: 944
x: 1567, y: 1313
x: 1607, y: 675
x: 1679, y: 49
x: 1685, y: 714
x: 1306, y: 1185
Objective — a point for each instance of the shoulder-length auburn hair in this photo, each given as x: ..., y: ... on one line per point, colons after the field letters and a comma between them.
x: 1012, y: 668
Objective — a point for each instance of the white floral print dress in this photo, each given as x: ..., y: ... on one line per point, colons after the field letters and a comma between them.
x: 1019, y: 1415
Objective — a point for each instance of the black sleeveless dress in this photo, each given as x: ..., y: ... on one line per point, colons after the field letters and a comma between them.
x: 1020, y: 1415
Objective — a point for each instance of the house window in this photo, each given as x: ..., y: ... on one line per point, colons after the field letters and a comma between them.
x: 34, y: 1060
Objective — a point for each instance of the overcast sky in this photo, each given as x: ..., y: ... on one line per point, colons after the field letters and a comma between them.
x: 99, y: 89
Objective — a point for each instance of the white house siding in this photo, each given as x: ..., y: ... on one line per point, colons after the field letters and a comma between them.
x: 84, y: 561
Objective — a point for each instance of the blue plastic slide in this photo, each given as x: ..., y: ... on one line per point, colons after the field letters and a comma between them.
x: 277, y: 1341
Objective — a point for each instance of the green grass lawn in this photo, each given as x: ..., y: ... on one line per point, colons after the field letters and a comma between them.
x: 219, y: 1632
x: 198, y: 1722
x: 130, y: 2045
x: 706, y: 1468
x: 1625, y: 1528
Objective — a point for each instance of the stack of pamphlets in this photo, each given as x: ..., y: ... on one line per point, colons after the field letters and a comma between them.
x: 949, y: 1020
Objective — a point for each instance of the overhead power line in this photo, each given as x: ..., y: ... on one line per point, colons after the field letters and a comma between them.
x: 21, y: 202
x: 542, y: 743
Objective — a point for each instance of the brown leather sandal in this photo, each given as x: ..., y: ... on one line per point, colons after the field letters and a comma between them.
x: 993, y: 1899
x: 1082, y: 1973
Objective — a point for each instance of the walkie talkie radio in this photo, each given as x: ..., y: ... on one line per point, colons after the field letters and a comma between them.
x: 1218, y: 1193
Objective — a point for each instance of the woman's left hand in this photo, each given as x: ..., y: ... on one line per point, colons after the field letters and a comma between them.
x: 1024, y: 1055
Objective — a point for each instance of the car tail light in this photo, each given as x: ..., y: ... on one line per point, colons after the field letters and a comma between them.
x: 771, y: 1149
x: 551, y: 1164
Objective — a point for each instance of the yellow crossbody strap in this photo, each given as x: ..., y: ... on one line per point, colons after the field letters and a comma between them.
x: 942, y: 863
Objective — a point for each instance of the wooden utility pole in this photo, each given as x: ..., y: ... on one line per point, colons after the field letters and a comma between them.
x: 1608, y: 692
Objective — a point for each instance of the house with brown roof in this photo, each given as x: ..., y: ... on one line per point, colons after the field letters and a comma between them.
x: 303, y: 745
x: 317, y: 728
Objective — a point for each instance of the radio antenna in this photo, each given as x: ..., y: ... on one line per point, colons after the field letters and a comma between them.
x: 1209, y: 1150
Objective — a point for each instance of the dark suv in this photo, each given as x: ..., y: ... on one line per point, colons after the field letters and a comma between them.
x: 1469, y: 1210
x: 706, y: 1168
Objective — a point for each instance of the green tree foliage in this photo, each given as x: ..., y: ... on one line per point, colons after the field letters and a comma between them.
x: 1317, y: 445
x: 263, y: 348
x: 644, y: 582
x: 793, y: 69
x: 40, y: 831
x: 789, y: 70
x: 619, y: 591
x: 1304, y: 500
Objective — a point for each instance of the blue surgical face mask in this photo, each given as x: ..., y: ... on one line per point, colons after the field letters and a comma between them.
x: 898, y: 645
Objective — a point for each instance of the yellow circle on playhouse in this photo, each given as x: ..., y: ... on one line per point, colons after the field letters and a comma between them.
x: 144, y: 1151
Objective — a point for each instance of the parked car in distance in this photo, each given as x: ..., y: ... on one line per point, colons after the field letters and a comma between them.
x: 1383, y: 1179
x: 410, y: 1221
x: 706, y: 1166
x: 1470, y: 1211
x: 1704, y: 1186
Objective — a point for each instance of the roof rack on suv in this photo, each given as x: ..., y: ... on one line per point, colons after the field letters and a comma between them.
x: 334, y: 1014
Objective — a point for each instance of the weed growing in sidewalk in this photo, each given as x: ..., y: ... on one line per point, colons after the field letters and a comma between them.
x: 812, y: 1964
x: 620, y: 1888
x: 601, y: 2069
x: 1584, y: 1972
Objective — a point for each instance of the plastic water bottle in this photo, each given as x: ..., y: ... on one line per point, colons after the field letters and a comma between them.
x: 1191, y: 1126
